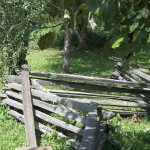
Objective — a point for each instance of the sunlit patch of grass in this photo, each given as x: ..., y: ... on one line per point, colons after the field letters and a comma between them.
x: 48, y: 60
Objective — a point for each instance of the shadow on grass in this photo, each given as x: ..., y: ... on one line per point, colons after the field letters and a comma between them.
x: 92, y: 63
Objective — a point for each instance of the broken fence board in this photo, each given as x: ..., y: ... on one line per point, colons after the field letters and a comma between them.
x: 52, y: 108
x: 28, y: 108
x: 46, y: 117
x: 89, y: 131
x: 44, y: 129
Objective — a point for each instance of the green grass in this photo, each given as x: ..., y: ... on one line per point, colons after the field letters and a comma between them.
x: 131, y: 136
x: 92, y: 63
x: 12, y: 133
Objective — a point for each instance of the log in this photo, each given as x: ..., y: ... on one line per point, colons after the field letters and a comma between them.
x: 87, y: 79
x: 46, y: 117
x: 52, y: 108
x: 90, y: 129
x: 27, y: 108
x: 44, y: 129
x: 54, y: 98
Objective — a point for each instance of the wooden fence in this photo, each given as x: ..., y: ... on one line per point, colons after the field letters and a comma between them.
x: 76, y: 103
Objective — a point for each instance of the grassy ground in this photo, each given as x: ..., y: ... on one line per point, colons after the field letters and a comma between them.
x: 132, y: 136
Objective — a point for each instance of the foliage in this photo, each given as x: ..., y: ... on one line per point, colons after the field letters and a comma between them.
x: 57, y: 144
x: 131, y: 135
x: 19, y: 19
x: 124, y: 18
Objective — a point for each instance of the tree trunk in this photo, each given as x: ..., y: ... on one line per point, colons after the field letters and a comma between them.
x: 67, y: 45
x: 81, y: 30
x: 82, y: 38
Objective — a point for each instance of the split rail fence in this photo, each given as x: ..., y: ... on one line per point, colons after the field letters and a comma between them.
x: 80, y: 101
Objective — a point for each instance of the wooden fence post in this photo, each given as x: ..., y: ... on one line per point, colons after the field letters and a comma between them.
x: 28, y: 108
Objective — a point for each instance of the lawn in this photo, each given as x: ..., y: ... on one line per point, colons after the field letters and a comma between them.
x: 132, y: 136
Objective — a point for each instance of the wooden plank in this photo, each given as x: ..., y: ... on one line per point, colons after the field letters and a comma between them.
x: 59, y: 123
x: 46, y: 117
x: 27, y: 108
x: 54, y: 98
x: 87, y: 101
x: 129, y: 113
x: 45, y: 129
x: 148, y: 73
x: 129, y: 77
x: 100, y: 137
x: 52, y: 108
x: 94, y: 87
x: 141, y: 74
x: 37, y: 86
x: 85, y: 86
x: 3, y: 96
x: 94, y: 95
x: 89, y: 131
x: 87, y: 79
x: 105, y: 114
x: 114, y: 103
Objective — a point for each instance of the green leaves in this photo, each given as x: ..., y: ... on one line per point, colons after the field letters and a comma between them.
x: 141, y: 36
x: 46, y: 40
x: 68, y: 3
x: 103, y: 9
x: 117, y: 42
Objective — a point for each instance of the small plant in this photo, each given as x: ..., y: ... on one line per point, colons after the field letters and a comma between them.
x: 51, y: 139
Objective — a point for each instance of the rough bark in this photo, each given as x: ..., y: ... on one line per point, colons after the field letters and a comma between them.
x: 67, y: 45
